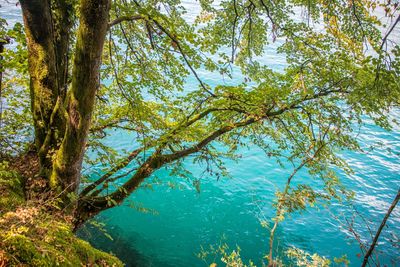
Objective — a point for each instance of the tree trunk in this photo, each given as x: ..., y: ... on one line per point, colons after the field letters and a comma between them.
x: 81, y: 96
x: 63, y: 23
x: 62, y: 115
x: 44, y: 87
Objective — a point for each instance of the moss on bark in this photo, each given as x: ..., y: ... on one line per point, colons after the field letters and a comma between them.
x: 81, y: 96
x: 45, y: 88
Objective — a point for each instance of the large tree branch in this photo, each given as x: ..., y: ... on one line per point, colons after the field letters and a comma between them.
x: 213, y: 136
x: 122, y: 164
x: 90, y: 206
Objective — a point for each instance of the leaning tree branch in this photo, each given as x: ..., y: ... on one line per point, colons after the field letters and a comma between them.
x: 182, y: 153
x: 384, y: 40
x: 116, y: 168
x: 122, y: 164
x: 89, y: 206
x: 373, y: 244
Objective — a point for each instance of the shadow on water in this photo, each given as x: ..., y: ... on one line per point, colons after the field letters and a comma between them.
x: 120, y: 244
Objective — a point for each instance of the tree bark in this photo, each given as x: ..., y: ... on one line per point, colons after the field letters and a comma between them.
x: 81, y: 96
x: 44, y: 88
x: 48, y: 25
x: 63, y: 23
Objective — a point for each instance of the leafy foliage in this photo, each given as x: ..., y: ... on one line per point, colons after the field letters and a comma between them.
x: 305, y: 259
x: 15, y: 118
x: 340, y: 68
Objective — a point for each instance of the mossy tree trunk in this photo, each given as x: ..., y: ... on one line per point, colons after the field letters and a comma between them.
x: 61, y: 109
x: 81, y: 96
x: 44, y: 86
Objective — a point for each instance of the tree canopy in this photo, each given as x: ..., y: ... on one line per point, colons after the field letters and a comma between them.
x: 99, y: 65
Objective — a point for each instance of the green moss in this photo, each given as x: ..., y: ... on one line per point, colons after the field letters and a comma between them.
x: 30, y: 236
x: 11, y: 184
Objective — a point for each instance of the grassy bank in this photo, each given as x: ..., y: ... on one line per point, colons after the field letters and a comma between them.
x: 32, y: 233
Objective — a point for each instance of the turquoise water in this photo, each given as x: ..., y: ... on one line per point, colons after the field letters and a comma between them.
x: 229, y: 210
x: 187, y: 220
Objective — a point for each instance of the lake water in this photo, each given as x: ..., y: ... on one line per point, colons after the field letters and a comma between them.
x: 229, y: 210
